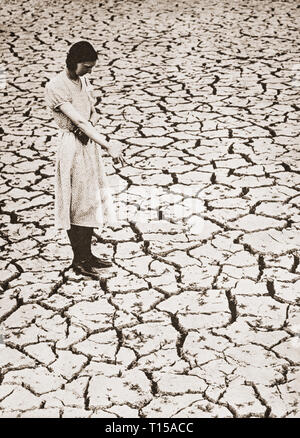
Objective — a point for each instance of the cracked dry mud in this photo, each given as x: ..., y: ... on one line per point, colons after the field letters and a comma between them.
x: 204, y: 96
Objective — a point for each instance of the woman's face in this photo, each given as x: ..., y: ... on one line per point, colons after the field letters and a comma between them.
x: 84, y: 67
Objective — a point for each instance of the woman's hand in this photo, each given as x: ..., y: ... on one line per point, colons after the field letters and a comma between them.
x: 115, y: 151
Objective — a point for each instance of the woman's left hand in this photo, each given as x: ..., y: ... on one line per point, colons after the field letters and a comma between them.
x: 115, y: 151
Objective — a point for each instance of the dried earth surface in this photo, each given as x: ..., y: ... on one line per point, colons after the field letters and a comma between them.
x: 199, y: 315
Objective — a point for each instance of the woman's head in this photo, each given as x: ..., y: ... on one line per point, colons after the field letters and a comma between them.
x: 81, y: 58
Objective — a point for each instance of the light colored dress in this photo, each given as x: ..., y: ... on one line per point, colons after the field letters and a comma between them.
x: 82, y: 193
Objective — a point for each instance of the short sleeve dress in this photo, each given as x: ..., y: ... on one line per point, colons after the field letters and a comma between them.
x: 82, y: 193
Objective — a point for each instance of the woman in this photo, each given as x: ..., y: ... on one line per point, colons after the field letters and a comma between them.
x: 82, y: 197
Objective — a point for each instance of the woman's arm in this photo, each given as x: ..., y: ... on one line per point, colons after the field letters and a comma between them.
x: 85, y: 126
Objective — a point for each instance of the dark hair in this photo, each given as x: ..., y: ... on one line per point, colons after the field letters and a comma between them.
x: 80, y: 52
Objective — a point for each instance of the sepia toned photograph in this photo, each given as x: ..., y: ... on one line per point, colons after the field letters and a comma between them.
x: 149, y: 211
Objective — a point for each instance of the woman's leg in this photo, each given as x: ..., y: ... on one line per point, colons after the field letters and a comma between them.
x: 84, y: 261
x: 79, y: 242
x: 80, y: 239
x: 96, y: 261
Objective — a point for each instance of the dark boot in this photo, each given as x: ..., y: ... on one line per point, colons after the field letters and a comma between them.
x: 99, y: 262
x: 85, y: 268
x: 77, y: 237
x: 96, y: 262
x: 80, y: 239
